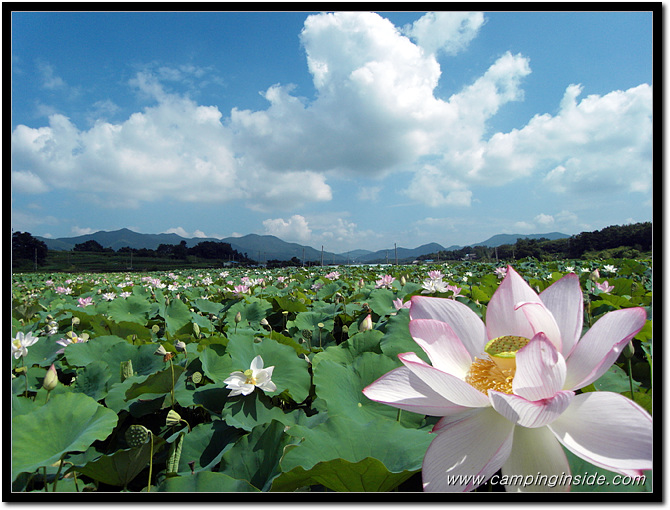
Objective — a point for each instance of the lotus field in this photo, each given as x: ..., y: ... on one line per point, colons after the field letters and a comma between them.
x: 466, y: 376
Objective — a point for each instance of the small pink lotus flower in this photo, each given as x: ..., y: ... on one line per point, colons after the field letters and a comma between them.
x: 456, y: 290
x: 399, y: 305
x: 506, y: 390
x: 83, y: 302
x: 385, y: 282
x: 334, y: 275
x: 240, y: 290
x: 435, y: 275
x: 604, y: 286
x: 500, y: 272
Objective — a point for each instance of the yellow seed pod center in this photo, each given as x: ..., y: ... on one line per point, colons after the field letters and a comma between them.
x: 249, y: 374
x: 496, y: 371
x: 502, y: 350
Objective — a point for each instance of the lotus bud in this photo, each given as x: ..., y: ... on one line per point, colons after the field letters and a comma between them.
x: 361, y: 283
x: 366, y: 325
x: 265, y: 323
x: 160, y: 351
x: 126, y: 370
x: 238, y: 317
x: 403, y: 280
x: 51, y: 379
x: 179, y: 345
x: 629, y: 350
x: 595, y: 275
x: 196, y: 330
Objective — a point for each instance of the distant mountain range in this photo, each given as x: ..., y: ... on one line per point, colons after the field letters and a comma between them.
x: 267, y: 247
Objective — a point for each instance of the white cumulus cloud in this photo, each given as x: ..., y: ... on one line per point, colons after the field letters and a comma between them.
x: 450, y: 32
x: 295, y: 229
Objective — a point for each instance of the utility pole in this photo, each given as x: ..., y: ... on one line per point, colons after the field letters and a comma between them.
x: 321, y: 255
x: 35, y: 258
x: 395, y: 247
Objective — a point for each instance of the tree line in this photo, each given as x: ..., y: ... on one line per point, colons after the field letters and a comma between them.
x: 26, y: 248
x: 616, y: 241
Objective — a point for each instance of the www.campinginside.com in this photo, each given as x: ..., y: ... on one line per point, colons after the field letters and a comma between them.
x: 539, y: 479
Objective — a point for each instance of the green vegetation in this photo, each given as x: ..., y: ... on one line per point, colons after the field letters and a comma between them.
x: 141, y: 400
x: 614, y: 242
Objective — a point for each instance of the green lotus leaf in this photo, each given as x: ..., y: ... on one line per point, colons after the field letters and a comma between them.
x: 207, y: 306
x: 397, y: 338
x: 252, y: 310
x: 83, y: 353
x: 399, y: 450
x: 248, y: 411
x: 367, y: 475
x: 177, y: 315
x: 131, y: 309
x: 68, y: 422
x: 381, y: 301
x: 92, y: 380
x: 205, y: 444
x: 122, y: 466
x: 255, y: 457
x: 216, y: 363
x: 339, y: 389
x: 205, y: 481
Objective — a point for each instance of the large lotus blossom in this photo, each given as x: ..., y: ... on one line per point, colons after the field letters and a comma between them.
x: 243, y: 383
x: 506, y: 390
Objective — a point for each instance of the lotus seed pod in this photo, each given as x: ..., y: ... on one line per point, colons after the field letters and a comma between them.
x: 51, y: 379
x: 126, y: 370
x: 137, y: 435
x: 173, y: 418
x: 75, y: 321
x: 155, y: 329
x: 196, y: 377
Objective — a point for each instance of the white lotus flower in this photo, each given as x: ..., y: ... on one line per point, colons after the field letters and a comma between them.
x: 21, y: 343
x: 243, y: 383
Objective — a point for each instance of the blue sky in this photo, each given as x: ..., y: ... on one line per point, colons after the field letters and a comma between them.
x: 345, y: 130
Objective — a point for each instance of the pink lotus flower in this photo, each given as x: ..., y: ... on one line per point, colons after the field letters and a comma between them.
x: 500, y: 272
x: 385, y: 282
x: 240, y: 290
x: 84, y: 302
x: 506, y: 390
x: 399, y: 305
x: 605, y: 286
